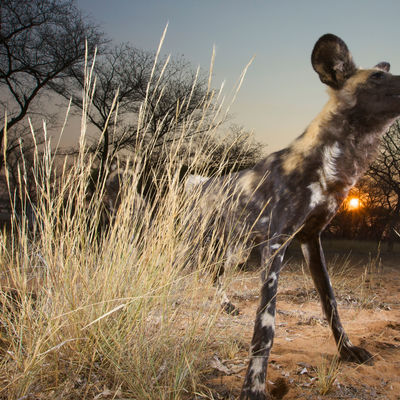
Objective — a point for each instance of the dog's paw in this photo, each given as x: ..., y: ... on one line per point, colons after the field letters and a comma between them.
x: 248, y: 394
x: 230, y: 308
x: 356, y: 354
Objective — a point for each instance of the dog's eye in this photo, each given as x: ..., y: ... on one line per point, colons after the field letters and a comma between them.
x: 377, y: 75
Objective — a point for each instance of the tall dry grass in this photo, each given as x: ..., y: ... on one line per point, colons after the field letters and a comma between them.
x: 118, y: 310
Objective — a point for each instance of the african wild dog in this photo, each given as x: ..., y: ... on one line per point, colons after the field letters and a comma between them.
x: 306, y: 184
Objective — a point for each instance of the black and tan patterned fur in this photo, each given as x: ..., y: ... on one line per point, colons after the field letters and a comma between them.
x: 295, y: 192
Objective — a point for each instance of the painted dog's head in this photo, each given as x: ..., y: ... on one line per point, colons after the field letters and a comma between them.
x: 372, y: 91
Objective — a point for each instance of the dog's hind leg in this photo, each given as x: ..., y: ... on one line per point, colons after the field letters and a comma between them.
x: 231, y: 261
x: 264, y: 328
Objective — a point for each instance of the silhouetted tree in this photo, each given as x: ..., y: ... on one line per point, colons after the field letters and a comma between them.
x: 125, y: 78
x: 235, y: 150
x: 385, y: 175
x: 40, y: 42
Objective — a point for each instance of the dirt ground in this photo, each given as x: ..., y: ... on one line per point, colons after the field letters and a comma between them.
x: 368, y: 295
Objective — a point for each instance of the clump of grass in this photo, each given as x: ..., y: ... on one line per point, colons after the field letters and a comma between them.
x: 327, y: 373
x: 340, y: 271
x: 355, y: 286
x: 230, y: 347
x: 371, y: 279
x: 94, y: 299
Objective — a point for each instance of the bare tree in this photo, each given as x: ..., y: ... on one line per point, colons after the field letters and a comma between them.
x: 40, y: 42
x: 235, y: 150
x: 125, y: 76
x: 384, y: 174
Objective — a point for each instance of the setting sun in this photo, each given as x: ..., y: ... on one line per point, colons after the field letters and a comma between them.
x: 354, y: 203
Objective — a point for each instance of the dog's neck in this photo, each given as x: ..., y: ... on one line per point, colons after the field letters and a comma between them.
x: 338, y: 141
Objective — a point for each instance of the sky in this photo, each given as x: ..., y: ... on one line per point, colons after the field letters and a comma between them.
x: 281, y: 92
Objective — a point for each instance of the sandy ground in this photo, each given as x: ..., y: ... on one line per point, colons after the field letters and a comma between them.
x: 369, y: 306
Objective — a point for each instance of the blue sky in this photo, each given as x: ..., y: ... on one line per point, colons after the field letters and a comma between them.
x: 281, y: 92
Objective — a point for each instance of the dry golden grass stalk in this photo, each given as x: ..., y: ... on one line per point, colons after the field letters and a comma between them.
x: 95, y: 299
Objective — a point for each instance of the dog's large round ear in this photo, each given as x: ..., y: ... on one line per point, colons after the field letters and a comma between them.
x: 332, y: 60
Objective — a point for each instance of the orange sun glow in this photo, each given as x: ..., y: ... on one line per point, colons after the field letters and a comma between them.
x: 354, y: 203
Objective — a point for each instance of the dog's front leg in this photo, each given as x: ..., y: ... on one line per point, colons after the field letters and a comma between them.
x: 314, y: 256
